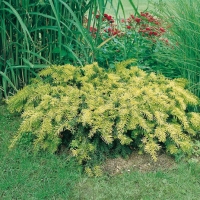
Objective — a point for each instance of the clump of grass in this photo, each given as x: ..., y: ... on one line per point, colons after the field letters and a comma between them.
x: 183, y: 16
x: 34, y: 34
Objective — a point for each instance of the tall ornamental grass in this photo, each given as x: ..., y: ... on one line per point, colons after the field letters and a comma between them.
x: 35, y: 34
x: 184, y: 17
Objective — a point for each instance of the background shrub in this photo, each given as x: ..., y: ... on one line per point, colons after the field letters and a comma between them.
x: 122, y: 109
x: 141, y: 36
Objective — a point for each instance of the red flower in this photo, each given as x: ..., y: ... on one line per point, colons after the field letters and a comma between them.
x: 150, y: 19
x: 162, y: 29
x: 128, y: 27
x: 151, y: 33
x: 93, y: 30
x: 109, y: 29
x: 122, y: 20
x: 144, y: 14
x: 112, y: 31
x: 105, y: 15
x: 115, y: 32
x: 112, y: 21
x: 148, y: 28
x: 97, y: 16
x: 132, y: 16
x: 109, y: 17
x: 138, y: 20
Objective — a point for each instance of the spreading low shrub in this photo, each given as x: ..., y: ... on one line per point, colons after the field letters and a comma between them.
x: 87, y: 109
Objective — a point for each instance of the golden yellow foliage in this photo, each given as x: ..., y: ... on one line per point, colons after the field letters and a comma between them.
x: 126, y: 105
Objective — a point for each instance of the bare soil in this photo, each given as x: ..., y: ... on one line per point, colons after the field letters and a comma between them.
x: 137, y: 162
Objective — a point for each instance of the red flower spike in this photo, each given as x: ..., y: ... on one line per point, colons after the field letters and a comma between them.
x: 97, y: 16
x: 128, y: 27
x: 132, y: 16
x: 105, y: 15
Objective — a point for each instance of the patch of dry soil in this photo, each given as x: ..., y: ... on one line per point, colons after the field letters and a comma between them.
x: 136, y: 162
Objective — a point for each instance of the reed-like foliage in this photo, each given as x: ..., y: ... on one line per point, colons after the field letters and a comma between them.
x: 34, y: 34
x: 184, y: 17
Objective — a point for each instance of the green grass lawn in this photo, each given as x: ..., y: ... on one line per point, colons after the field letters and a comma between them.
x: 27, y: 176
